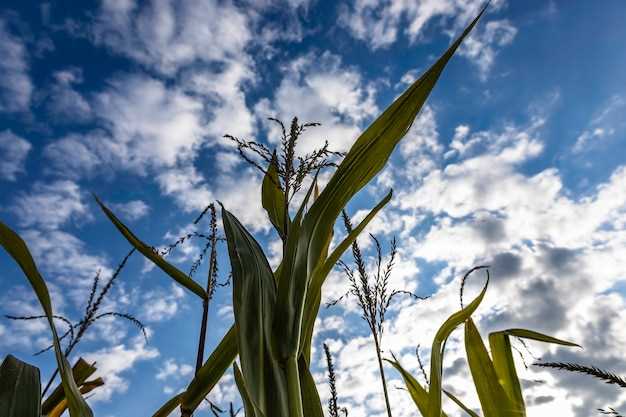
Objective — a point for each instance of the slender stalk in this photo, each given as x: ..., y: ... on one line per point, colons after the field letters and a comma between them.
x: 382, y: 374
x: 209, y: 291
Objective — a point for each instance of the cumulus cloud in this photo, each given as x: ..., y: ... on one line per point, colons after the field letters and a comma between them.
x: 65, y: 104
x: 13, y: 153
x: 16, y: 87
x: 381, y: 23
x: 50, y: 205
x: 131, y: 210
x: 115, y: 361
x: 320, y: 88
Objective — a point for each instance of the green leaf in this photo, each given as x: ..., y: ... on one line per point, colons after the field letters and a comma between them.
x: 314, y: 294
x: 147, y: 251
x: 18, y: 250
x: 493, y: 399
x: 80, y: 371
x: 250, y: 408
x: 169, y: 407
x: 273, y: 198
x: 311, y: 403
x: 437, y: 350
x: 365, y: 159
x: 504, y: 363
x: 462, y: 406
x: 417, y: 392
x: 211, y: 372
x: 254, y: 298
x: 20, y: 389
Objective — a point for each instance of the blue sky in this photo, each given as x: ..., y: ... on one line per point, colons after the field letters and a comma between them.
x: 518, y: 160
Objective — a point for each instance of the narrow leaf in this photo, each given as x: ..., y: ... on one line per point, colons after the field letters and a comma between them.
x: 147, y: 251
x: 273, y: 198
x: 18, y: 250
x: 436, y: 355
x: 493, y: 399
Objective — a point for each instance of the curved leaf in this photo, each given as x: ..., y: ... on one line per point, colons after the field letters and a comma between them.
x: 504, y: 363
x: 273, y: 198
x: 80, y: 371
x: 147, y: 251
x: 436, y: 353
x: 18, y: 250
x: 493, y: 399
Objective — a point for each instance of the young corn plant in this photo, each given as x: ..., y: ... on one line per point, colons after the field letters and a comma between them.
x: 494, y: 376
x: 275, y: 310
x: 372, y: 294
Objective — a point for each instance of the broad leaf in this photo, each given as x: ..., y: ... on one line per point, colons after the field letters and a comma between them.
x: 254, y: 298
x: 493, y: 399
x: 20, y: 389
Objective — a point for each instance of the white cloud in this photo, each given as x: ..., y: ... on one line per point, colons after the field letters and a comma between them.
x: 131, y: 210
x: 319, y: 88
x: 604, y: 124
x: 13, y: 153
x: 51, y: 205
x: 168, y: 35
x: 65, y: 103
x: 115, y: 361
x: 16, y: 87
x: 379, y: 23
x: 481, y: 47
x: 171, y: 369
x: 150, y: 124
x: 161, y: 305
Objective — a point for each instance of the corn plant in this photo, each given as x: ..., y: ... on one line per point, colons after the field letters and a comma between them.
x: 494, y: 376
x: 275, y: 310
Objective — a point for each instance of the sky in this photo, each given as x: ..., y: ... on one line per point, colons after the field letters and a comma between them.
x: 518, y: 160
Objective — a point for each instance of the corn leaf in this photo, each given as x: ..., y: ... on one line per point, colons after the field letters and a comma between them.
x: 319, y: 275
x: 504, y: 364
x: 273, y: 198
x: 311, y: 402
x: 210, y: 373
x: 365, y: 159
x: 169, y: 407
x: 85, y: 388
x: 437, y: 350
x: 417, y: 392
x: 18, y: 250
x: 254, y: 298
x: 80, y: 371
x: 493, y: 399
x: 20, y: 389
x: 462, y: 406
x: 249, y: 407
x: 147, y: 251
